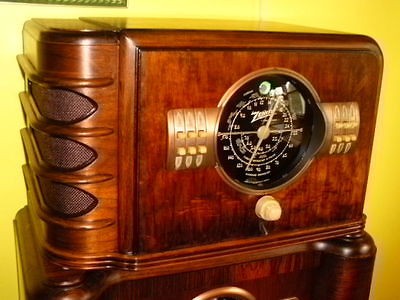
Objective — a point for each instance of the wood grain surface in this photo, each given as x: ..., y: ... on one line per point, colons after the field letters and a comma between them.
x: 155, y: 227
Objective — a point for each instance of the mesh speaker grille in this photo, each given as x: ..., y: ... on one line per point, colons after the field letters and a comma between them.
x: 62, y: 105
x: 62, y: 152
x: 66, y: 200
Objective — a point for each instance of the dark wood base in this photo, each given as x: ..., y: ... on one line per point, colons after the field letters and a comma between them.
x: 335, y: 269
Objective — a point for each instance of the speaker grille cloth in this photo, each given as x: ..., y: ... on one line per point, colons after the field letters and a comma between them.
x: 66, y: 200
x: 62, y: 152
x: 62, y: 105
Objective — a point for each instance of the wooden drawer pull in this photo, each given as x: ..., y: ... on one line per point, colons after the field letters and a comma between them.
x: 230, y: 291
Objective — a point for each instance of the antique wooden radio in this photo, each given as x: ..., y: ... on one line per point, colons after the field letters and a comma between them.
x: 172, y: 159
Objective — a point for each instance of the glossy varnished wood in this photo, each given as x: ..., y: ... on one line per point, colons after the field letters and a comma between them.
x: 215, y: 210
x: 150, y: 222
x: 337, y: 269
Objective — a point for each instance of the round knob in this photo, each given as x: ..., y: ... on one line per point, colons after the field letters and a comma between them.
x: 268, y: 209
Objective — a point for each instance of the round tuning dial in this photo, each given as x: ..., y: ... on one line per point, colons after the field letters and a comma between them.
x: 268, y: 209
x: 269, y: 127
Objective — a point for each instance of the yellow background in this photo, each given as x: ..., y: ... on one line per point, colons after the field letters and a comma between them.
x: 377, y: 18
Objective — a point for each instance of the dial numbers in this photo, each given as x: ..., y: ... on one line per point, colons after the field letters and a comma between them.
x: 242, y: 137
x: 264, y: 131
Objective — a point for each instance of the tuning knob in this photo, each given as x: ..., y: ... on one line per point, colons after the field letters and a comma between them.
x: 268, y: 209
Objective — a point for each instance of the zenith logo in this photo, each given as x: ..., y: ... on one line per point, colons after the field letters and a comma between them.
x: 259, y: 115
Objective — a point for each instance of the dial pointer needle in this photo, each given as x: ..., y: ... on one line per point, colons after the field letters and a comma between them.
x: 263, y: 132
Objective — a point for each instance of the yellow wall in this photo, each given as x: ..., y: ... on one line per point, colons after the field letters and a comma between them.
x: 379, y: 19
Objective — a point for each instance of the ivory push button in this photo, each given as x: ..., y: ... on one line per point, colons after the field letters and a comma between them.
x: 181, y: 151
x: 191, y: 134
x: 268, y: 209
x: 180, y: 135
x: 192, y: 150
x: 202, y: 134
x: 202, y: 149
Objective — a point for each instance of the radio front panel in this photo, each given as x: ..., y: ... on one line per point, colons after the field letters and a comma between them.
x: 181, y: 186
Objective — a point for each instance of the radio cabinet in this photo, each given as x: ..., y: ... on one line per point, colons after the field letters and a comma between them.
x: 195, y: 159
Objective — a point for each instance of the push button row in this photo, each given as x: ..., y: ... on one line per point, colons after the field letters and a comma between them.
x: 191, y: 134
x: 343, y: 123
x: 191, y: 150
x: 190, y: 138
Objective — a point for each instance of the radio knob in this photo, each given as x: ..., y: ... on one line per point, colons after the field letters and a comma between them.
x: 268, y: 209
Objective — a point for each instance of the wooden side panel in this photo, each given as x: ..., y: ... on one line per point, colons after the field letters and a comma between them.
x: 71, y: 111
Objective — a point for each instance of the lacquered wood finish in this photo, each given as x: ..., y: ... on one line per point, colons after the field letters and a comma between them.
x: 150, y: 222
x: 337, y: 269
x: 215, y: 212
